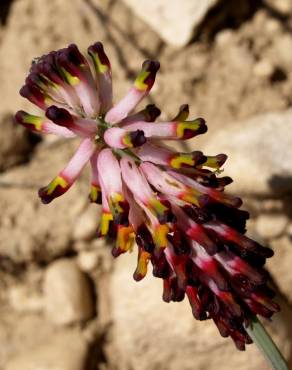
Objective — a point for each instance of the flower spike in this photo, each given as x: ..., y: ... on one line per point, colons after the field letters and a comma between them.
x: 172, y: 205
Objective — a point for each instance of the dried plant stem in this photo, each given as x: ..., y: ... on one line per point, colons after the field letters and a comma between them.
x: 266, y: 345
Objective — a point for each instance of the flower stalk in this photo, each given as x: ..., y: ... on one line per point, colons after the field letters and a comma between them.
x: 266, y: 344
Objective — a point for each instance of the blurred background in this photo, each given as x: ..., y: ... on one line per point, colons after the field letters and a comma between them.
x: 65, y: 304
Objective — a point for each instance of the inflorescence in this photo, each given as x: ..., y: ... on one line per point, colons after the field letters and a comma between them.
x: 172, y: 204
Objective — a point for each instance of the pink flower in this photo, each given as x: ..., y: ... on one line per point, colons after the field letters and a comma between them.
x: 172, y: 204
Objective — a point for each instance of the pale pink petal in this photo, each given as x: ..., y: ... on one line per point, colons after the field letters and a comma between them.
x: 95, y: 189
x: 144, y: 196
x: 161, y: 180
x: 80, y: 126
x: 118, y: 138
x: 109, y: 171
x: 135, y: 180
x: 79, y: 160
x: 76, y: 70
x: 148, y: 114
x: 136, y: 217
x: 125, y: 106
x: 103, y: 75
x: 153, y: 153
x: 89, y: 99
x: 93, y: 162
x: 167, y: 157
x: 213, y: 193
x: 111, y: 182
x: 141, y: 88
x: 55, y: 84
x: 60, y: 184
x: 169, y: 130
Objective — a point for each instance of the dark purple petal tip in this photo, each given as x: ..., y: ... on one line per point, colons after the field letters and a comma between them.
x: 60, y: 116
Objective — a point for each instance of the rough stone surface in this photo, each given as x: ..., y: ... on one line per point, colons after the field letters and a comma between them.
x: 185, y: 14
x: 258, y: 151
x: 282, y: 6
x: 40, y: 232
x: 68, y: 293
x: 23, y: 300
x: 280, y: 265
x: 281, y: 53
x: 15, y: 143
x: 88, y: 260
x: 86, y: 224
x: 61, y: 351
x: 263, y: 69
x: 150, y: 334
x: 271, y: 226
x: 47, y: 26
x: 218, y: 82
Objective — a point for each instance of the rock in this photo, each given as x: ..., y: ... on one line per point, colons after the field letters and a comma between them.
x: 280, y: 265
x: 272, y: 26
x: 259, y: 150
x: 51, y: 19
x: 223, y: 38
x: 22, y: 299
x: 150, y: 334
x: 263, y: 68
x: 289, y: 230
x: 16, y: 143
x: 95, y: 244
x: 45, y: 27
x: 281, y: 53
x: 88, y: 260
x: 174, y: 21
x: 40, y: 232
x: 68, y: 293
x: 62, y: 351
x: 86, y: 224
x: 271, y: 225
x: 284, y: 7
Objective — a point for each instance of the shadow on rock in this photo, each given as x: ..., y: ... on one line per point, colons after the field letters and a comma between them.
x: 4, y: 10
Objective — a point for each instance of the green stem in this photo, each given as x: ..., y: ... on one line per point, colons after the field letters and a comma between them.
x: 266, y: 345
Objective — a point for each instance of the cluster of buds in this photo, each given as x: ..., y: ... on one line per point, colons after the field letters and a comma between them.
x: 171, y: 204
